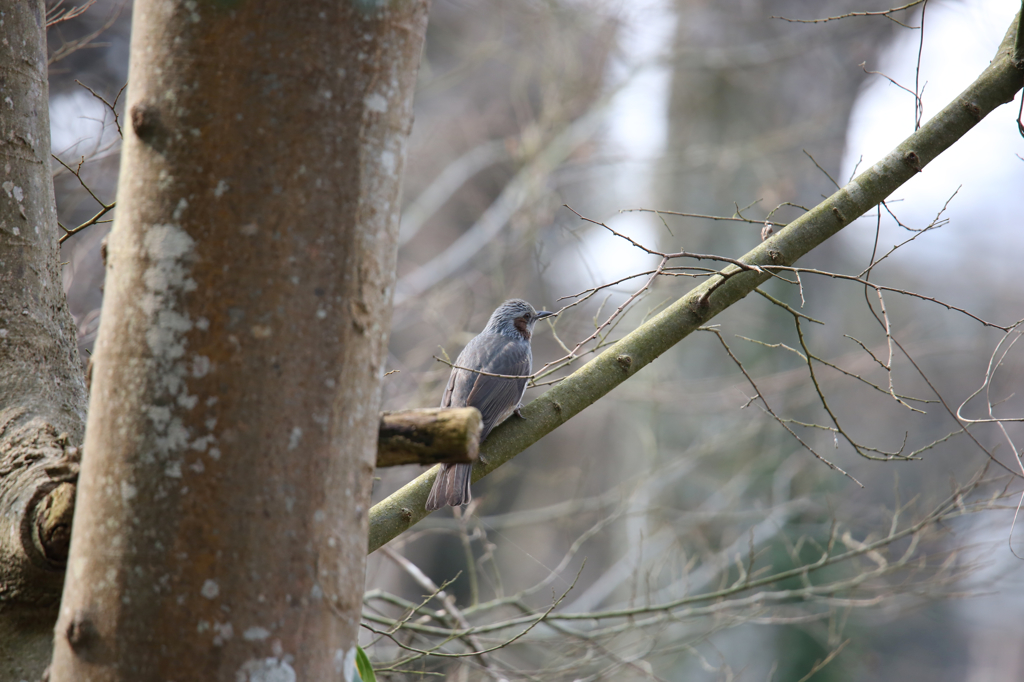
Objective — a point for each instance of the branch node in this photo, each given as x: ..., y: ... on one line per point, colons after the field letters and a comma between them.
x: 81, y: 632
x: 974, y: 110
x: 913, y: 160
x: 146, y: 121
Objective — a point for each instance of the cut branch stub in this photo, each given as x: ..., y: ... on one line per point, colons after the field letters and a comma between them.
x: 52, y: 528
x: 429, y: 436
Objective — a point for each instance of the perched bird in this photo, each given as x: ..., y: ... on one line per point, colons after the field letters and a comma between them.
x: 503, y: 347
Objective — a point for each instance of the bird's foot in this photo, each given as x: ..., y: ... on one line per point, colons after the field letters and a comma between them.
x: 519, y: 412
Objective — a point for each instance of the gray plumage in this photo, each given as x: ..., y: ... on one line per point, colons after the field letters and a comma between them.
x: 503, y: 347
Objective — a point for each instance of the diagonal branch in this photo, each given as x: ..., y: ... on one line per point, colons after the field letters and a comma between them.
x: 996, y: 85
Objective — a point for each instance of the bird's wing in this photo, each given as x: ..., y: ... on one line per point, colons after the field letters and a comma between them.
x: 495, y: 397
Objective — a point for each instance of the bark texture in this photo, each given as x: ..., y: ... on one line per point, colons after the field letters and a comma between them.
x: 220, y: 532
x: 42, y: 391
x: 430, y: 436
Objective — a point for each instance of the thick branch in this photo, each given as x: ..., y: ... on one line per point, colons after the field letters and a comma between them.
x: 429, y: 436
x: 996, y: 85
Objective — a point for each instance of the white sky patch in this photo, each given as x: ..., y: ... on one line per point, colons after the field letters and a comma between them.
x: 636, y: 132
x: 637, y: 123
x: 80, y: 125
x: 985, y: 214
x: 603, y: 257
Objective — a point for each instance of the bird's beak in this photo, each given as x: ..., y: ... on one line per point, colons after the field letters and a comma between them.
x: 544, y: 313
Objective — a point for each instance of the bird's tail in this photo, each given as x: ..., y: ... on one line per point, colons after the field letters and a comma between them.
x: 451, y: 487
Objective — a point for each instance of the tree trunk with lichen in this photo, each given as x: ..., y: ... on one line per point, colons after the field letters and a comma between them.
x: 220, y: 532
x: 42, y: 392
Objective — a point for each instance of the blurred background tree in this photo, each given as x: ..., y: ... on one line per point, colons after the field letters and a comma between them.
x: 677, y: 483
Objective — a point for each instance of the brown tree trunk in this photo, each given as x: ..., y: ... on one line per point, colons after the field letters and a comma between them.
x: 220, y: 532
x: 42, y: 392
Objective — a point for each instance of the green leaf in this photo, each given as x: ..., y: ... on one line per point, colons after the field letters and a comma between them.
x: 363, y: 666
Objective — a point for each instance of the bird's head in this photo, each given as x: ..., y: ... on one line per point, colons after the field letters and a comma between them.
x: 515, y: 318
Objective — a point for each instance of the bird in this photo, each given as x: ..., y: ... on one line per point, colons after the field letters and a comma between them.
x: 503, y: 347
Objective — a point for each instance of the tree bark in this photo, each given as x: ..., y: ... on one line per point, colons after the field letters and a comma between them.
x: 42, y: 391
x: 220, y: 532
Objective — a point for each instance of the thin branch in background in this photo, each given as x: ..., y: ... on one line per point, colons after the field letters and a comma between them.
x: 96, y: 219
x: 807, y: 356
x: 882, y: 318
x: 722, y: 276
x: 69, y: 47
x: 463, y: 519
x: 454, y: 176
x: 57, y: 13
x: 865, y: 573
x: 880, y: 287
x: 536, y: 620
x: 787, y: 308
x: 949, y: 410
x: 818, y: 665
x: 818, y: 166
x: 447, y: 603
x: 853, y: 173
x: 499, y: 213
x: 111, y: 106
x: 572, y: 354
x: 918, y: 106
x: 918, y: 88
x: 993, y: 366
x: 934, y: 225
x: 990, y: 372
x: 859, y: 448
x: 887, y: 13
x: 764, y: 402
x: 702, y: 216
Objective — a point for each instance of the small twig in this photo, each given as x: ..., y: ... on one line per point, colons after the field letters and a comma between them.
x: 113, y: 110
x: 818, y: 166
x: 75, y: 45
x: 96, y: 219
x: 880, y: 13
x: 768, y: 408
x: 56, y: 15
